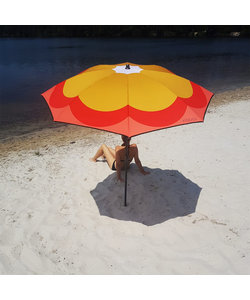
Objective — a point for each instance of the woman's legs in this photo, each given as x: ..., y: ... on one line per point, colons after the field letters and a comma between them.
x: 107, y: 152
x: 112, y: 151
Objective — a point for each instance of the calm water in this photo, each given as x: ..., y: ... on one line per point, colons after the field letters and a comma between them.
x: 29, y: 67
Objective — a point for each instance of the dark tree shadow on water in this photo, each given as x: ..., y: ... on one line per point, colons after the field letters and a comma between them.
x: 152, y: 199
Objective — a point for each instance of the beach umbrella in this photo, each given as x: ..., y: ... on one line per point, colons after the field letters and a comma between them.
x: 128, y: 99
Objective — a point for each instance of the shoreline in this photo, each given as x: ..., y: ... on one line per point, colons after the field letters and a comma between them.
x: 60, y: 134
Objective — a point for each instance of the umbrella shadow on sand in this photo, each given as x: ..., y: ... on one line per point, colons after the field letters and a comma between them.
x: 152, y: 199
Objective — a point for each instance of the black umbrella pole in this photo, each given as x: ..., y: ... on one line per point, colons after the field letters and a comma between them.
x: 125, y: 192
x: 126, y: 176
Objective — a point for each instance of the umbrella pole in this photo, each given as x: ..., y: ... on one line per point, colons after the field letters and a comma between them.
x: 126, y: 176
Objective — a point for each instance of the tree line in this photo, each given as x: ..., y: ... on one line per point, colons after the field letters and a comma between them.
x: 152, y: 31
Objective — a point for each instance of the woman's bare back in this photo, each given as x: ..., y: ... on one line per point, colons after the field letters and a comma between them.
x: 120, y: 154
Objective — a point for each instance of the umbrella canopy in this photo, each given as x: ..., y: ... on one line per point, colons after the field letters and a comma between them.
x: 128, y: 99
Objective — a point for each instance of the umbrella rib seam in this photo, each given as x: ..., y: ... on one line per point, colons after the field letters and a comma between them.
x: 190, y: 107
x: 164, y: 84
x: 93, y: 83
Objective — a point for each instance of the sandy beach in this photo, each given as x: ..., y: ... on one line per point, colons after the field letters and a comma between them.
x: 62, y: 214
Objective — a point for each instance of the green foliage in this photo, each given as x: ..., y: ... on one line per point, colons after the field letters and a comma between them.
x: 152, y: 31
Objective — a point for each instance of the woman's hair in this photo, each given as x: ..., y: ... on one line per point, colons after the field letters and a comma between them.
x: 125, y: 139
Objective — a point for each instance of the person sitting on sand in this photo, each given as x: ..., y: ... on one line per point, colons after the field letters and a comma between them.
x: 116, y: 158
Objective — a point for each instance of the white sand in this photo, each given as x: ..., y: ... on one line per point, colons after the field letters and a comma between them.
x: 61, y: 214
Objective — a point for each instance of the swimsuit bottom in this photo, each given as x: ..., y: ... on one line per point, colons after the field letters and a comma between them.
x: 113, y: 166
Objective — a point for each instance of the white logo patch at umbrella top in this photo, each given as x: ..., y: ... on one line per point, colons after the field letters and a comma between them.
x: 127, y: 69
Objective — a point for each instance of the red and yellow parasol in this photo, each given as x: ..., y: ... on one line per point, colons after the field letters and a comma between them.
x: 127, y: 99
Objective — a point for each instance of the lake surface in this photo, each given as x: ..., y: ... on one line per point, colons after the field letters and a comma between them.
x: 28, y: 67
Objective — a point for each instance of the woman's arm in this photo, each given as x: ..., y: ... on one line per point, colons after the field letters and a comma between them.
x: 138, y: 163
